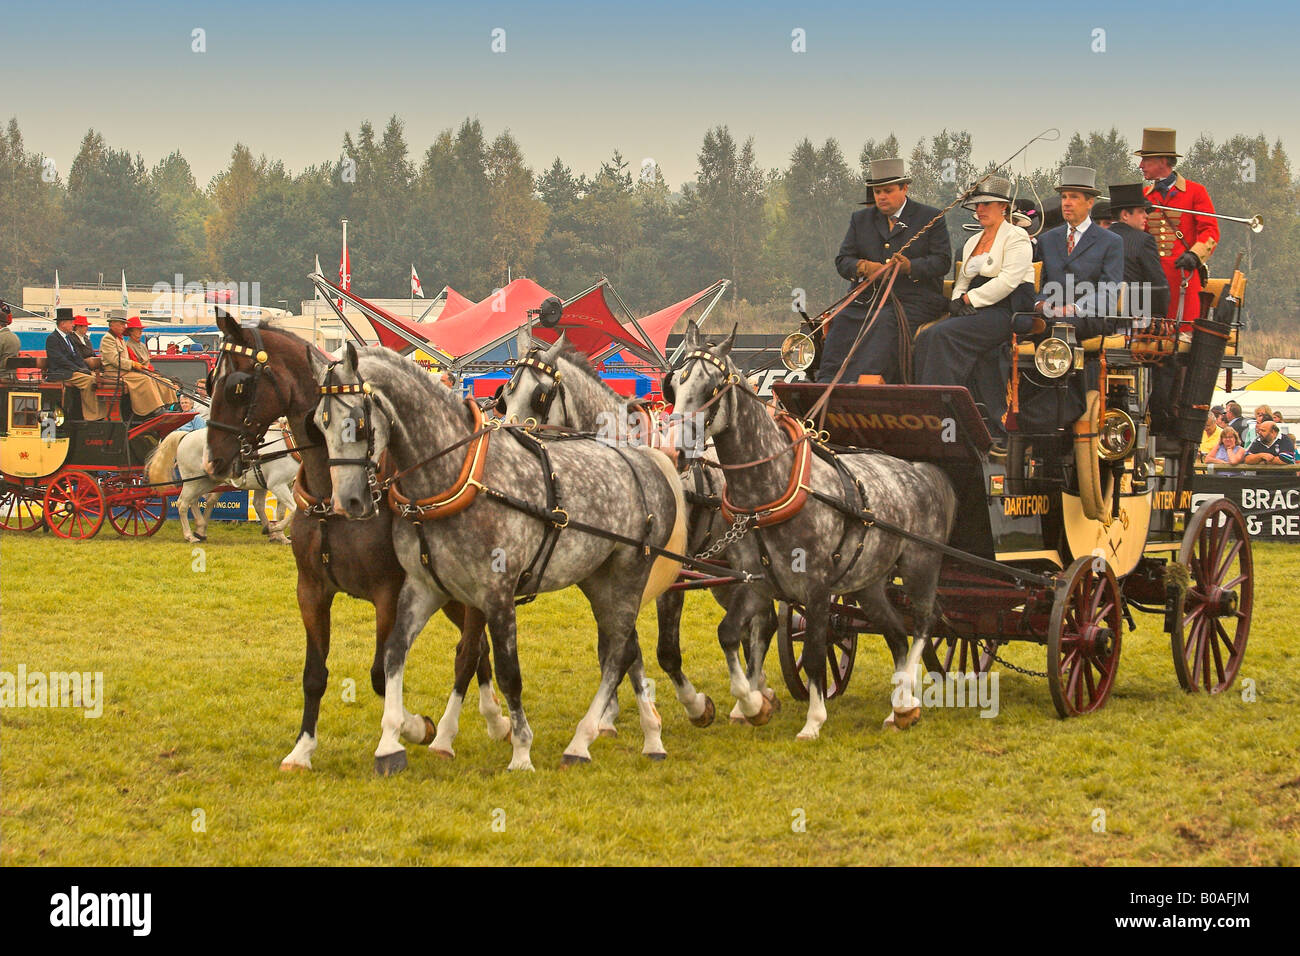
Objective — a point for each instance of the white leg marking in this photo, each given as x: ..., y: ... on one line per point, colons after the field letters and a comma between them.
x: 498, y: 725
x: 300, y: 755
x: 448, y: 727
x: 652, y: 726
x: 816, y: 715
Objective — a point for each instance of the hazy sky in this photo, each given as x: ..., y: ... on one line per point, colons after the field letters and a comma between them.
x: 581, y: 79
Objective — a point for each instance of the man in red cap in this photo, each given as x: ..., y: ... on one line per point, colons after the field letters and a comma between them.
x: 1183, y: 239
x: 126, y: 360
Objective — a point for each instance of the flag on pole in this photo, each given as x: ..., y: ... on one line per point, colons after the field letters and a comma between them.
x: 57, y: 298
x: 345, y: 266
x: 319, y: 272
x: 415, y: 283
x: 126, y: 303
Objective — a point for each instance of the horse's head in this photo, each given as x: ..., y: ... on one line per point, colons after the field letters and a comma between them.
x: 698, y: 389
x: 249, y: 389
x: 533, y: 386
x: 353, y: 423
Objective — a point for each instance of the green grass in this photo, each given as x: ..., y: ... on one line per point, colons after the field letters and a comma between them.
x: 203, y: 697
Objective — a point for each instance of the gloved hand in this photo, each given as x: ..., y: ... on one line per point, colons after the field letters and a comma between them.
x: 1188, y: 261
x: 960, y: 307
x: 904, y: 263
x: 867, y: 268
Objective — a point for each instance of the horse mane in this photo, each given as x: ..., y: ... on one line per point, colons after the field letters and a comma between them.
x: 583, y: 363
x: 396, y: 364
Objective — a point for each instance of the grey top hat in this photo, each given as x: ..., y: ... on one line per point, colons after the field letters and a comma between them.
x: 1079, y: 179
x: 117, y: 315
x: 994, y: 189
x: 884, y: 172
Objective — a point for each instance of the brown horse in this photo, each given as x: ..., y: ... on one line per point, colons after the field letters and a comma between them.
x: 265, y: 374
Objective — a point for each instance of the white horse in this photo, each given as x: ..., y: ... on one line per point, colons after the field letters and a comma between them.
x: 185, y: 451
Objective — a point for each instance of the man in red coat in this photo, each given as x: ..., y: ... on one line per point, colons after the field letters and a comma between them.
x: 1183, y: 239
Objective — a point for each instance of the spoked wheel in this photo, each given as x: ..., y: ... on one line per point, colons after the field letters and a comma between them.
x: 841, y: 649
x: 139, y: 516
x: 18, y: 512
x: 1083, y: 638
x: 74, y: 505
x: 961, y: 655
x: 1210, y: 640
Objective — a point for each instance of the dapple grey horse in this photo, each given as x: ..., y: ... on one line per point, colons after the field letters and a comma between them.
x: 577, y: 398
x: 484, y: 549
x: 798, y: 556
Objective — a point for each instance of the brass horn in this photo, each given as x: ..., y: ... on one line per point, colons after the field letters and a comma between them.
x: 1256, y: 223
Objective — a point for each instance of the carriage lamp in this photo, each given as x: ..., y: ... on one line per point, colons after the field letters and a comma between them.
x: 1053, y: 357
x: 1118, y: 435
x: 798, y: 351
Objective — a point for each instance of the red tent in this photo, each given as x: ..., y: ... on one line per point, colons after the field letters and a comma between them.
x: 589, y: 324
x: 484, y: 325
x: 657, y: 325
x: 455, y: 304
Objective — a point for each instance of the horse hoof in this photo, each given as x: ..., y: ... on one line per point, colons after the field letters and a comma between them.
x: 390, y: 764
x: 657, y: 758
x: 203, y: 537
x: 289, y: 766
x: 764, y: 714
x: 444, y: 754
x: 265, y: 530
x: 706, y: 717
x: 608, y: 732
x: 430, y: 731
x: 773, y: 700
x: 572, y: 760
x: 906, y: 718
x: 802, y: 735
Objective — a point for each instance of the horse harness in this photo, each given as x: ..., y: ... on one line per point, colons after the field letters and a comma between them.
x: 240, y: 388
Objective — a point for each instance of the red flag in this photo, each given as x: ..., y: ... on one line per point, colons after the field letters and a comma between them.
x: 345, y: 266
x: 415, y: 284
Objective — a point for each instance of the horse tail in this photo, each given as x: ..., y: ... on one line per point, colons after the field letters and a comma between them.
x: 162, y: 459
x: 664, y: 571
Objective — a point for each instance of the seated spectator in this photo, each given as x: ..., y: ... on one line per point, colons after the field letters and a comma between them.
x: 1270, y: 446
x: 1220, y: 415
x: 198, y: 421
x: 1210, y: 438
x: 63, y: 363
x: 1229, y: 450
x: 1243, y: 428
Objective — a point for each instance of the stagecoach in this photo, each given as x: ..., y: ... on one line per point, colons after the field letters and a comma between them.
x: 71, y: 475
x: 1079, y: 521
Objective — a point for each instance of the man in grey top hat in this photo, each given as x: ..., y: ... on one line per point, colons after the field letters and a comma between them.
x: 1083, y: 264
x: 876, y: 234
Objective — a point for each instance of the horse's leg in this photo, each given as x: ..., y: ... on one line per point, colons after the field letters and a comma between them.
x: 416, y: 728
x: 184, y: 502
x: 415, y: 605
x: 744, y: 604
x: 501, y: 626
x: 203, y: 511
x: 314, y: 605
x: 259, y: 507
x: 469, y: 652
x: 668, y: 606
x: 920, y: 581
x: 615, y: 628
x: 818, y: 613
x: 489, y: 705
x: 880, y: 611
x: 282, y: 515
x: 652, y: 724
x: 762, y: 626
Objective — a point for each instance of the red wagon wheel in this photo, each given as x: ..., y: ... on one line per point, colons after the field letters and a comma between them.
x: 841, y: 649
x: 1083, y: 638
x: 1210, y: 639
x: 961, y: 655
x: 18, y: 511
x: 138, y: 514
x: 74, y: 505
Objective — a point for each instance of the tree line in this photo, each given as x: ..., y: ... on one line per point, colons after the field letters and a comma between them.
x: 471, y: 211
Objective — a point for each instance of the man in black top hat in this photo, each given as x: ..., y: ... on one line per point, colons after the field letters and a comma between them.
x: 63, y: 363
x: 1146, y: 289
x: 874, y: 238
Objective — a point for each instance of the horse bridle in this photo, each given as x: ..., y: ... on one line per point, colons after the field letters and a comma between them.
x: 239, y: 387
x: 331, y: 391
x: 542, y: 400
x: 729, y: 379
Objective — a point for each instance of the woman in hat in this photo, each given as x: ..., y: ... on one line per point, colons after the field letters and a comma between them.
x: 996, y: 279
x: 127, y: 361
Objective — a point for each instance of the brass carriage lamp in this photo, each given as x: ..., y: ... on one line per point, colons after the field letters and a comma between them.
x: 1059, y: 352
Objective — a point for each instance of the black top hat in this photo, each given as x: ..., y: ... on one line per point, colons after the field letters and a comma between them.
x: 1102, y: 210
x: 1128, y: 196
x: 61, y: 314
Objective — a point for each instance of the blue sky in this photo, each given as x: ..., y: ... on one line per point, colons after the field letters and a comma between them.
x: 581, y: 79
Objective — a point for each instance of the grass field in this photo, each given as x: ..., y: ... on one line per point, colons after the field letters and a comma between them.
x: 202, y: 696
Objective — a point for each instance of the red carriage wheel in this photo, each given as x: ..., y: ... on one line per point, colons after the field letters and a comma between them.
x: 961, y: 655
x: 1083, y: 638
x: 74, y: 505
x: 1210, y: 639
x: 19, y: 511
x: 137, y: 515
x: 841, y: 649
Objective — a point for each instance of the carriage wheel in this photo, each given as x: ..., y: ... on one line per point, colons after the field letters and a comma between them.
x: 961, y: 655
x: 18, y: 512
x: 841, y: 649
x: 1083, y: 638
x: 138, y: 517
x: 74, y: 505
x: 1210, y: 639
